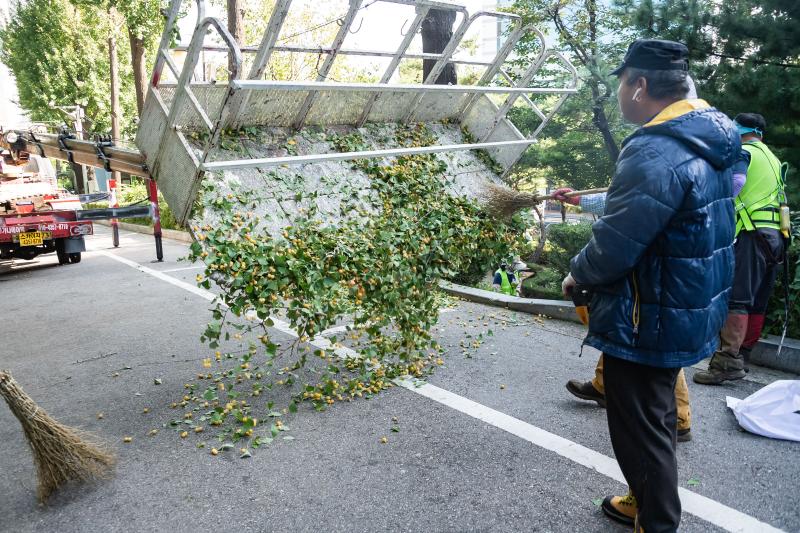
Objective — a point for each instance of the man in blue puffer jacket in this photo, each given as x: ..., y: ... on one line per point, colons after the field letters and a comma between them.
x: 660, y: 263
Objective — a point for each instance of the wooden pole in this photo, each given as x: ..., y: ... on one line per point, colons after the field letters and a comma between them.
x: 114, y: 182
x: 112, y: 59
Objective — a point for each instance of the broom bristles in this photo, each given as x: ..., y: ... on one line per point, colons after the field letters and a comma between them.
x: 504, y: 202
x: 60, y: 453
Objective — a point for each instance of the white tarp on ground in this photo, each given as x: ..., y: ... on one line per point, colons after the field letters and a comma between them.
x: 773, y: 411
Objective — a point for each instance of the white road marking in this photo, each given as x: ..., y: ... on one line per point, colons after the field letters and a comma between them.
x: 702, y: 507
x: 208, y: 295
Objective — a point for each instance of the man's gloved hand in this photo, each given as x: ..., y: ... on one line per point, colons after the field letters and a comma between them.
x: 567, y: 285
x: 558, y: 194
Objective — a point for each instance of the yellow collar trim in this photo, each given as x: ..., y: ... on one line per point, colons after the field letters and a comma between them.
x: 677, y: 109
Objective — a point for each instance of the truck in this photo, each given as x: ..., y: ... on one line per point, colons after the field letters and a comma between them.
x: 36, y: 215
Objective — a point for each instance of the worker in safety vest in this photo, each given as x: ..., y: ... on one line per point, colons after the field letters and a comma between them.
x: 759, y: 249
x: 504, y: 280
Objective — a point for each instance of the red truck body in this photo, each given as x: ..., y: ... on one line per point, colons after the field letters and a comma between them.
x: 36, y: 217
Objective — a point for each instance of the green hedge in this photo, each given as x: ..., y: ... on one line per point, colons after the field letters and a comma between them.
x: 566, y: 240
x: 544, y: 283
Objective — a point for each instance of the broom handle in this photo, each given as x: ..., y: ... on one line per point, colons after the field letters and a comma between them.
x: 574, y: 193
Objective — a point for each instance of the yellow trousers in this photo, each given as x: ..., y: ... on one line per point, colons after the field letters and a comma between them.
x: 681, y: 394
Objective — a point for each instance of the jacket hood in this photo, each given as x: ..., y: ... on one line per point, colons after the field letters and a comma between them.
x: 707, y: 132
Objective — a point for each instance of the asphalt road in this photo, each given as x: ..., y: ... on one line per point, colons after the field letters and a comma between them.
x: 470, y: 455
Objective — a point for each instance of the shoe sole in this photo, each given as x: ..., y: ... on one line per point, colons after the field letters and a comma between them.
x: 685, y: 437
x: 615, y: 515
x: 600, y: 401
x: 704, y: 378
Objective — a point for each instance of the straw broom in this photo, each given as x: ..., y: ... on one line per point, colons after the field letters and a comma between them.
x: 61, y: 453
x: 504, y: 202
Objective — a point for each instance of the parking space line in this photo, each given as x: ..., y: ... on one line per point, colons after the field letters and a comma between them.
x: 700, y: 506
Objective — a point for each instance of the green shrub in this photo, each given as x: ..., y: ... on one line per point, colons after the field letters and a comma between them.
x: 137, y: 192
x: 566, y: 241
x: 544, y: 283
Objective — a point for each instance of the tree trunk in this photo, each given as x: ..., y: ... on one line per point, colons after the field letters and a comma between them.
x: 236, y: 27
x: 600, y: 120
x: 437, y: 30
x: 139, y: 69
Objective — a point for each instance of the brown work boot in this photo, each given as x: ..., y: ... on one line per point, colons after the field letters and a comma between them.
x: 623, y: 509
x: 586, y: 391
x: 723, y: 367
x: 726, y: 363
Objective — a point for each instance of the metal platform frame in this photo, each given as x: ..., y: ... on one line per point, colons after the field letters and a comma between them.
x: 161, y: 135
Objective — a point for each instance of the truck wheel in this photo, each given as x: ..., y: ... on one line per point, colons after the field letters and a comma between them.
x: 63, y: 257
x: 75, y: 258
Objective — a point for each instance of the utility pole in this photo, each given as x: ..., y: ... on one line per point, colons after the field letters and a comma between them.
x: 114, y: 182
x: 112, y: 57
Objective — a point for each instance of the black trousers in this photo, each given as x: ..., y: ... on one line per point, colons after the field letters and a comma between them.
x: 642, y: 421
x: 758, y: 255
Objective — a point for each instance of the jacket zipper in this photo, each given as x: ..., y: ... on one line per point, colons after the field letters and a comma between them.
x: 636, y: 308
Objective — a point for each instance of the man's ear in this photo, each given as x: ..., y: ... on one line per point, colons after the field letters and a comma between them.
x: 642, y: 83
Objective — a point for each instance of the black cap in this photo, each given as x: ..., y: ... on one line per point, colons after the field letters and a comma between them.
x: 753, y: 121
x: 655, y: 54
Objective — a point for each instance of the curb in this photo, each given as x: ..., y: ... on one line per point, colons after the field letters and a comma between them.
x: 764, y: 353
x: 552, y: 308
x: 175, y: 235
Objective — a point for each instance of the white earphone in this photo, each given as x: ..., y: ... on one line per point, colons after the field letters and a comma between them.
x: 635, y: 96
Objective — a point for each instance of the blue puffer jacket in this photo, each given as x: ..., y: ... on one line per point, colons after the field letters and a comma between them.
x: 661, y: 258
